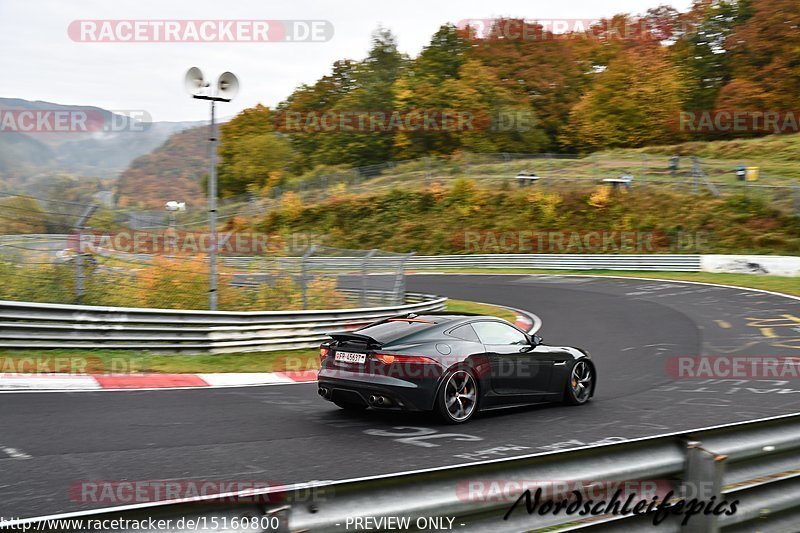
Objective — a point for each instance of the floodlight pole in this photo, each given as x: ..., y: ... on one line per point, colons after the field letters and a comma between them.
x: 212, y: 202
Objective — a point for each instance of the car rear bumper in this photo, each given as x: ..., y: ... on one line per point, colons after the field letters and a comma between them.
x: 357, y: 387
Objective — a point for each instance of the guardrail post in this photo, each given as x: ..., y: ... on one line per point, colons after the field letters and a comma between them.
x: 282, y: 514
x: 80, y: 225
x: 304, y: 273
x: 364, y: 273
x: 399, y: 296
x: 702, y: 480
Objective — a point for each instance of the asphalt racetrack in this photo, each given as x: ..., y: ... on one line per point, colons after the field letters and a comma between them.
x: 286, y: 434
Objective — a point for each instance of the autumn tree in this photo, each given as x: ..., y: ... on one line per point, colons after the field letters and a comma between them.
x: 446, y: 78
x: 765, y: 58
x: 421, y: 89
x: 322, y: 95
x: 252, y: 155
x: 634, y: 102
x: 548, y: 71
x: 701, y: 51
x: 373, y: 90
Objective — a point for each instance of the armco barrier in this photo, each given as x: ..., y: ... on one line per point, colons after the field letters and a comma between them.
x: 41, y: 325
x: 779, y: 265
x: 683, y: 263
x: 753, y: 463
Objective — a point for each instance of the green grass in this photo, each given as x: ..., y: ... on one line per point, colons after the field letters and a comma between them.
x: 132, y: 362
x: 775, y: 155
x: 461, y: 306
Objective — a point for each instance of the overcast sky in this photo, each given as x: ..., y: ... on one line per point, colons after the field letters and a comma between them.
x: 39, y: 60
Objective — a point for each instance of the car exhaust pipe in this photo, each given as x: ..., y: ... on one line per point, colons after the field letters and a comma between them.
x: 380, y: 401
x: 324, y: 392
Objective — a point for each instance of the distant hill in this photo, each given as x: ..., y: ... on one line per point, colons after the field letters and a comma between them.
x: 28, y: 157
x: 19, y: 152
x: 173, y: 171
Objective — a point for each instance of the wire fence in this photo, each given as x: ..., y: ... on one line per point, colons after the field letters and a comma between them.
x: 88, y: 268
x: 299, y: 273
x: 775, y: 183
x: 554, y: 172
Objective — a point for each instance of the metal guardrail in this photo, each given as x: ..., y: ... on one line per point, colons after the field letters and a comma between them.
x: 652, y: 262
x: 683, y: 263
x: 671, y: 262
x: 753, y: 463
x: 42, y: 325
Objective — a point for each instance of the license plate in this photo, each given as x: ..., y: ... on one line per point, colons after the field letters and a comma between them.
x: 351, y: 357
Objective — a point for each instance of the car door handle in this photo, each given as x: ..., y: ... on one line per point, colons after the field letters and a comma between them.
x: 562, y: 363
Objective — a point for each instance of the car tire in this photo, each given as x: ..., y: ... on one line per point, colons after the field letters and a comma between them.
x: 580, y: 385
x: 348, y: 406
x: 457, y: 397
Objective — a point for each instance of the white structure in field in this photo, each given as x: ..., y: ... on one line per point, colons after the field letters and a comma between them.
x: 778, y: 265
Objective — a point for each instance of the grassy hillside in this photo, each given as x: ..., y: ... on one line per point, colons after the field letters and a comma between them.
x: 175, y: 170
x: 777, y: 156
x: 436, y: 220
x: 772, y: 147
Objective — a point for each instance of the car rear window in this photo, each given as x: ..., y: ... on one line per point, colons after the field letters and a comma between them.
x: 393, y: 330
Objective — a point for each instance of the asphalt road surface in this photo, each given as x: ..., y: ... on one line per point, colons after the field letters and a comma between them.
x: 51, y: 442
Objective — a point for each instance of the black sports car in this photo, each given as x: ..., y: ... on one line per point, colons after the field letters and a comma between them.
x: 454, y: 364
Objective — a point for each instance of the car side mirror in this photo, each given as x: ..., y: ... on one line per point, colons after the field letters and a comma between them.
x: 533, y: 342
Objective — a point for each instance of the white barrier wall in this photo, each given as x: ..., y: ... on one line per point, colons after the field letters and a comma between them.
x: 777, y: 265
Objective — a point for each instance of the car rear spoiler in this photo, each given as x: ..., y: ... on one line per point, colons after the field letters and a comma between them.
x: 345, y: 336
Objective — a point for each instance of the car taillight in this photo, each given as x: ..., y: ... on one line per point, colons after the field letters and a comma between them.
x: 323, y: 352
x: 405, y: 359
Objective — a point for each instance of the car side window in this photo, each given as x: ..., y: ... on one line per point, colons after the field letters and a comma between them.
x: 498, y: 333
x: 465, y: 333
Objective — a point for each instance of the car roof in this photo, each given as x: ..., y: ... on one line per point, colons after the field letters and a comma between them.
x: 396, y: 328
x: 437, y: 318
x: 442, y: 318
